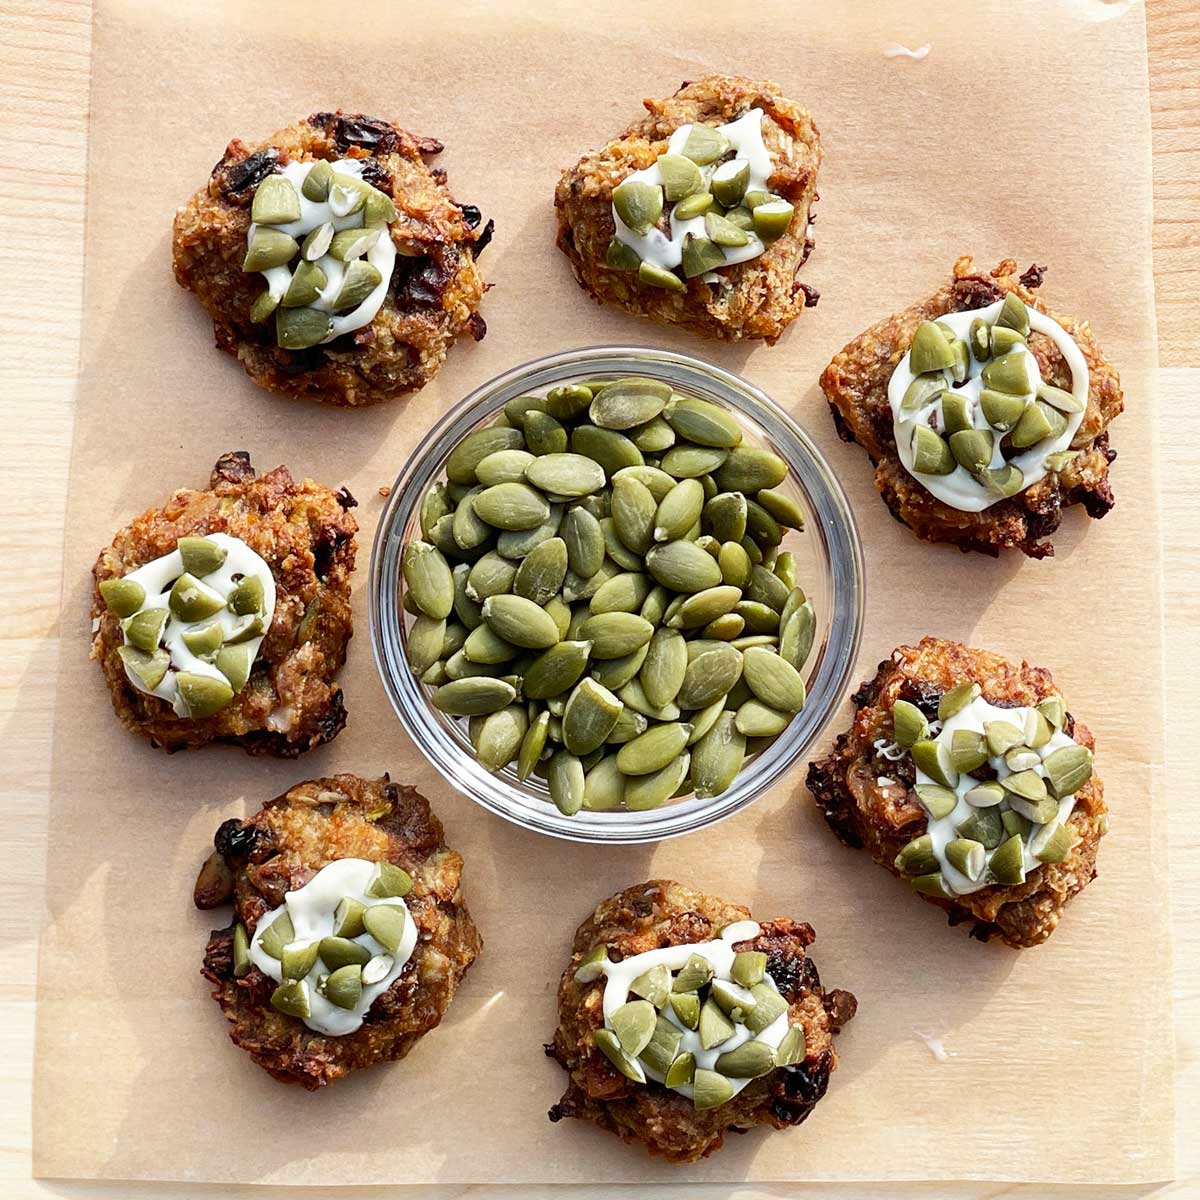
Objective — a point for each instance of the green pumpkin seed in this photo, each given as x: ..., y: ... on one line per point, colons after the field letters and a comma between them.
x: 626, y: 403
x: 933, y: 758
x: 700, y: 255
x: 277, y: 935
x: 565, y: 474
x: 348, y: 919
x: 653, y: 437
x: 584, y: 541
x: 589, y: 717
x: 520, y: 621
x: 1052, y: 843
x: 644, y: 792
x: 428, y: 578
x: 291, y: 998
x: 503, y: 466
x: 702, y: 422
x: 201, y: 556
x: 344, y: 986
x: 714, y: 1026
x: 930, y: 885
x: 205, y: 642
x: 1007, y: 863
x: 796, y: 636
x: 773, y: 680
x: 475, y: 447
x: 908, y: 724
x: 202, y: 694
x: 615, y: 634
x: 654, y: 276
x: 755, y: 719
x: 491, y: 575
x: 540, y: 576
x: 607, y: 1043
x: 931, y: 455
x: 148, y: 667
x: 316, y: 182
x: 615, y: 548
x: 613, y: 451
x: 929, y: 350
x: 483, y: 645
x: 190, y: 600
x: 520, y: 406
x: 604, y: 786
x: 734, y: 564
x: 543, y: 433
x: 615, y: 673
x: 686, y: 461
x: 1001, y: 410
x: 621, y: 257
x: 1009, y: 373
x: 683, y: 567
x: 1068, y: 769
x: 792, y: 1048
x: 234, y: 662
x: 922, y: 392
x: 533, y: 743
x: 717, y: 757
x: 629, y: 725
x: 473, y: 696
x: 972, y: 448
x: 748, y: 1061
x: 638, y: 204
x: 956, y: 699
x: 968, y: 750
x: 704, y: 607
x: 984, y: 826
x: 654, y: 749
x: 1054, y: 709
x: 1021, y: 758
x: 465, y: 607
x: 501, y: 736
x: 564, y: 777
x: 385, y: 923
x: 955, y: 413
x: 575, y: 589
x: 725, y: 517
x: 633, y: 514
x: 661, y: 1050
x: 1013, y: 315
x: 985, y: 795
x: 625, y: 592
x: 657, y: 481
x: 710, y: 676
x: 123, y: 596
x: 917, y: 857
x: 665, y: 666
x: 517, y: 543
x: 338, y: 951
x: 241, y: 952
x: 966, y: 856
x: 678, y: 511
x: 514, y: 506
x: 767, y: 588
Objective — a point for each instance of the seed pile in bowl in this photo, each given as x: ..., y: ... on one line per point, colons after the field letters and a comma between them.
x: 600, y: 589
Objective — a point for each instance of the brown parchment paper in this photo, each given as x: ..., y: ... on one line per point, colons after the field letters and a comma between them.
x: 1025, y: 132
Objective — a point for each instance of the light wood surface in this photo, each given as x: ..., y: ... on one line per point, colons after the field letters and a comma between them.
x: 44, y: 79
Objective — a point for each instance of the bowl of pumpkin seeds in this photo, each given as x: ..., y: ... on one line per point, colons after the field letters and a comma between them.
x: 615, y: 594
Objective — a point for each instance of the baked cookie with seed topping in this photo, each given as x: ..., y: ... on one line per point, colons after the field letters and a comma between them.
x: 700, y: 213
x: 350, y: 933
x: 223, y: 616
x: 966, y: 776
x: 333, y: 260
x: 984, y: 413
x: 680, y: 1019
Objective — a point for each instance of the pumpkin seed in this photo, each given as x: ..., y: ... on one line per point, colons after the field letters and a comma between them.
x: 428, y: 577
x: 501, y: 737
x: 984, y: 826
x: 702, y: 422
x: 755, y: 719
x: 575, y: 589
x: 968, y: 750
x: 491, y: 575
x: 607, y: 1043
x: 710, y: 676
x: 540, y: 576
x: 557, y: 669
x: 1052, y: 843
x: 683, y: 567
x: 956, y: 699
x: 475, y: 447
x: 543, y: 433
x: 651, y: 791
x: 931, y: 455
x: 564, y: 777
x: 930, y: 885
x: 612, y: 450
x: 654, y: 749
x: 503, y: 466
x: 584, y: 541
x: 656, y: 480
x: 748, y: 1061
x: 633, y: 514
x: 516, y: 543
x: 678, y: 510
x: 663, y: 671
x: 1007, y: 863
x: 774, y: 680
x: 615, y: 634
x: 917, y: 857
x: 473, y: 696
x: 626, y: 403
x: 1068, y: 769
x: 972, y: 448
x: 686, y: 461
x: 533, y: 743
x: 484, y: 645
x: 604, y: 786
x: 984, y: 795
x: 1013, y: 315
x: 929, y: 350
x: 520, y: 621
x: 514, y: 506
x: 589, y: 717
x: 615, y: 673
x: 717, y: 757
x: 653, y: 437
x: 638, y: 204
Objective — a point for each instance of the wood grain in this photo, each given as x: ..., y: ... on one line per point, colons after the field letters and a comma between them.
x: 44, y: 80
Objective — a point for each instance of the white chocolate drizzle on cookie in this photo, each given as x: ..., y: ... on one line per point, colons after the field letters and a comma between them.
x: 313, y: 912
x: 200, y: 621
x: 986, y: 426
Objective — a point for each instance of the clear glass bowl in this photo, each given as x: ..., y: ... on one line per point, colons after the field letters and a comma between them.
x: 829, y: 567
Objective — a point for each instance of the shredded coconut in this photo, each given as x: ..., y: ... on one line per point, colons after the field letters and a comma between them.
x: 895, y: 50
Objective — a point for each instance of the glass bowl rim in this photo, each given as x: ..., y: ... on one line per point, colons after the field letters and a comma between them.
x: 830, y: 516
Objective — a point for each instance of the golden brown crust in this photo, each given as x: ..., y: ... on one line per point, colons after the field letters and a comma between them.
x: 883, y: 817
x: 279, y: 849
x: 663, y: 913
x: 306, y: 534
x: 856, y: 382
x: 434, y: 294
x: 759, y: 298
